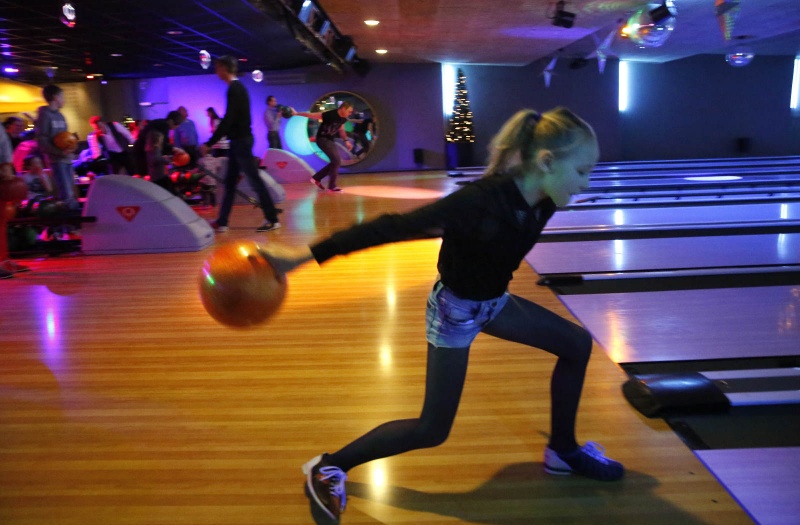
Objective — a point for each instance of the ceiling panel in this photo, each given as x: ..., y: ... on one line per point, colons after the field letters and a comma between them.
x: 156, y: 38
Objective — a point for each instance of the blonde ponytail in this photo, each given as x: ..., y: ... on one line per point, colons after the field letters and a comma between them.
x: 528, y: 131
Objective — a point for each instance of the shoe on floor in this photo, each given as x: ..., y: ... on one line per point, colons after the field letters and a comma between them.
x: 268, y: 226
x: 335, y: 188
x: 325, y: 486
x: 588, y: 461
x: 316, y: 183
x: 13, y: 267
x: 217, y: 228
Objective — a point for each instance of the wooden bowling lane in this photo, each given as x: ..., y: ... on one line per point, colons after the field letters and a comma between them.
x: 686, y: 325
x: 658, y: 254
x: 763, y: 480
x: 621, y: 168
x: 694, y: 180
x: 746, y: 175
x: 698, y: 214
x: 743, y: 170
x: 122, y: 403
x: 688, y: 198
x: 622, y: 217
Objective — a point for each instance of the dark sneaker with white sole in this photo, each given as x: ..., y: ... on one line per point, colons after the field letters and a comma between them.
x: 588, y: 461
x: 325, y: 486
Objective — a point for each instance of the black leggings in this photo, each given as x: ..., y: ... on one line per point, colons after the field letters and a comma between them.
x: 520, y: 321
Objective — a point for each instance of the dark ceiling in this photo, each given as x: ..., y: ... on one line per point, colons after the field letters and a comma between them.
x: 142, y: 38
x: 159, y: 38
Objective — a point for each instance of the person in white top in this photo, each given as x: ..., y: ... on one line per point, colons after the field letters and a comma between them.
x: 221, y: 148
x: 113, y: 139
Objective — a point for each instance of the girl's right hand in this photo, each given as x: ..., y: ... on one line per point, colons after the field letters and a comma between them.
x: 284, y: 258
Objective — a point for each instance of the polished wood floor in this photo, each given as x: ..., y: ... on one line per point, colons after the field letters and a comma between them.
x: 122, y: 402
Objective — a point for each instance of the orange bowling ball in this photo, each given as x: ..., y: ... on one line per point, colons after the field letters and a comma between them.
x: 238, y: 287
x: 180, y: 158
x: 65, y: 140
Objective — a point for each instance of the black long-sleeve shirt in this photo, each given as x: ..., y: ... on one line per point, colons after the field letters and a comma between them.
x: 236, y: 124
x: 486, y: 227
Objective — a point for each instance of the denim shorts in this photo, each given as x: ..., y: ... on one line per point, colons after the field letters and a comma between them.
x: 453, y: 322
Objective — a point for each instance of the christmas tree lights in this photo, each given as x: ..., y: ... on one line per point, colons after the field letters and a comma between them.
x: 459, y: 128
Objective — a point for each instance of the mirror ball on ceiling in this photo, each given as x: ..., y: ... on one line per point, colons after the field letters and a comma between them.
x: 644, y: 32
x: 740, y: 56
x: 68, y: 15
x: 205, y: 59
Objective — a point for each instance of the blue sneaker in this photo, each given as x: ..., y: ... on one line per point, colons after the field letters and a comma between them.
x: 588, y: 461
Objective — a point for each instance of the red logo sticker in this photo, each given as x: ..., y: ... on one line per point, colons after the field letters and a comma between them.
x: 282, y: 164
x: 128, y: 212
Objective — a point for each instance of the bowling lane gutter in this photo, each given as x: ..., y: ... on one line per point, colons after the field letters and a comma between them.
x: 672, y: 280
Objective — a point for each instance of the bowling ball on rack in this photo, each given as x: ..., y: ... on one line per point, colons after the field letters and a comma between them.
x: 180, y: 158
x: 238, y: 287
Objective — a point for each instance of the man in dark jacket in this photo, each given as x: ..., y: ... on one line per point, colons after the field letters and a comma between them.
x: 236, y: 125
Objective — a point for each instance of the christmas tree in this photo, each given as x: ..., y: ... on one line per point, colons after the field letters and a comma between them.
x: 459, y: 128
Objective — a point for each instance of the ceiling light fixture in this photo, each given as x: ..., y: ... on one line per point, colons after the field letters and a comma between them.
x: 644, y: 31
x: 662, y: 12
x: 372, y: 23
x: 381, y: 51
x: 562, y: 18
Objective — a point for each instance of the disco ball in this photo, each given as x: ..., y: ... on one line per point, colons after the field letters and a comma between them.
x: 205, y: 59
x: 258, y: 76
x: 644, y: 32
x: 739, y: 57
x: 68, y: 15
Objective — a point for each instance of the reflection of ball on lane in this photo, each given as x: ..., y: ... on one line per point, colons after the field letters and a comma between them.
x: 238, y: 287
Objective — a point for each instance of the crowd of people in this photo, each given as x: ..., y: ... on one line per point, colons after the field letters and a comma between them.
x: 60, y: 170
x: 145, y: 148
x: 35, y: 150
